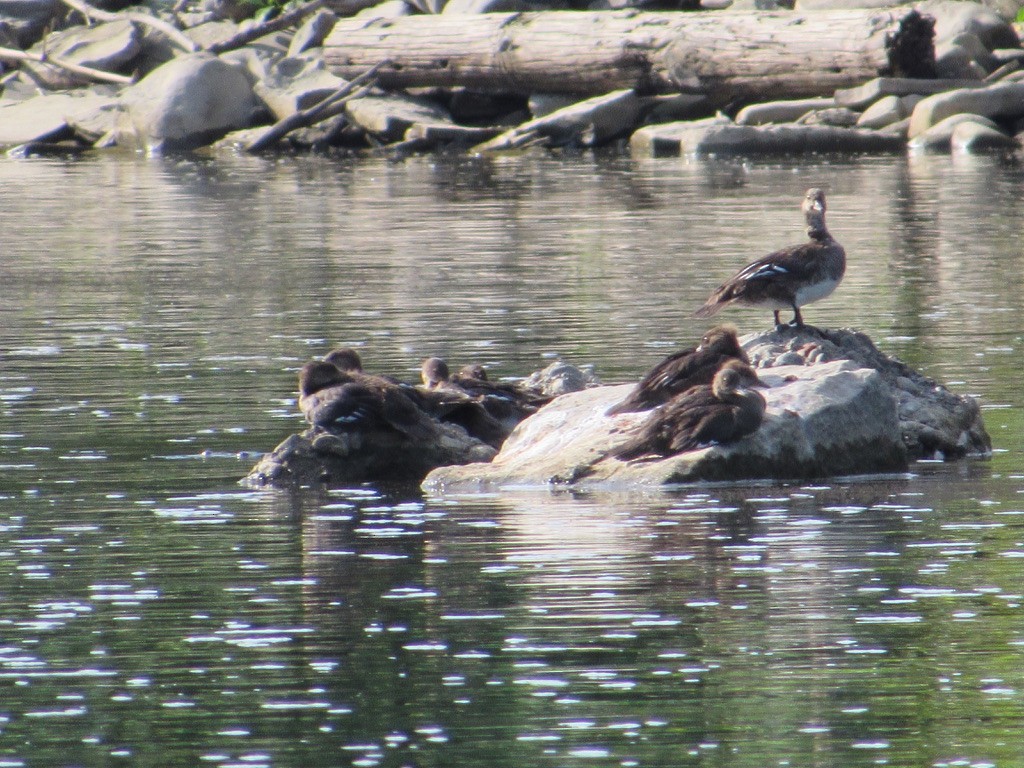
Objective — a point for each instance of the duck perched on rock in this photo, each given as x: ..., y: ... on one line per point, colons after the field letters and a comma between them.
x: 717, y: 413
x: 791, y: 277
x: 682, y: 370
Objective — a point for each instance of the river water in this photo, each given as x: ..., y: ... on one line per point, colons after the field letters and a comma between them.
x: 153, y: 612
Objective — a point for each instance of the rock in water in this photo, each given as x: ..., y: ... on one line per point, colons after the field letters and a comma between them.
x: 836, y: 406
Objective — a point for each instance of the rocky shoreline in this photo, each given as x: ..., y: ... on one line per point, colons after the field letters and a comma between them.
x: 177, y: 79
x: 837, y: 405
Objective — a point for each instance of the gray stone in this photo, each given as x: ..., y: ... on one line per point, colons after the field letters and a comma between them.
x: 871, y: 91
x: 388, y: 117
x: 317, y: 457
x: 485, y: 6
x: 50, y: 117
x: 719, y: 136
x: 939, y: 137
x: 953, y: 17
x: 28, y: 19
x: 780, y: 111
x: 186, y: 103
x: 296, y: 83
x: 849, y: 409
x: 1003, y: 99
x: 589, y: 123
x: 543, y: 104
x: 953, y: 62
x: 840, y: 117
x: 313, y: 32
x: 672, y: 108
x: 429, y: 135
x: 971, y: 137
x: 842, y: 5
x: 390, y: 9
x: 976, y: 49
x: 109, y: 47
x: 560, y: 378
x: 887, y: 110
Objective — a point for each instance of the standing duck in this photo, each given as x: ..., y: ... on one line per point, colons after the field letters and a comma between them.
x: 791, y: 277
x: 719, y: 413
x: 682, y: 370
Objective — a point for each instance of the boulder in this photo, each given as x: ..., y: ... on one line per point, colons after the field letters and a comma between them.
x: 109, y: 47
x: 186, y: 103
x: 1004, y: 99
x: 27, y: 20
x: 780, y: 111
x: 953, y: 17
x: 388, y: 117
x: 50, y: 117
x: 871, y: 91
x: 296, y: 83
x: 588, y: 123
x: 887, y: 110
x: 313, y: 32
x: 317, y: 456
x: 970, y: 136
x: 840, y: 117
x: 836, y: 406
x: 939, y: 137
x: 719, y: 136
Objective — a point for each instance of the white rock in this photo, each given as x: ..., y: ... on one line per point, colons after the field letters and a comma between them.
x: 1004, y: 99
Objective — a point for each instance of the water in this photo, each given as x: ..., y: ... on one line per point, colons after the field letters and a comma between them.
x: 154, y: 613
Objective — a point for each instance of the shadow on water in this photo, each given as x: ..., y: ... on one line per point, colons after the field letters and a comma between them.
x: 156, y: 613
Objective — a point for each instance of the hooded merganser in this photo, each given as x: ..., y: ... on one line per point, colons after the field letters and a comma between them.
x: 339, y: 400
x: 791, y: 277
x: 719, y: 413
x: 682, y: 370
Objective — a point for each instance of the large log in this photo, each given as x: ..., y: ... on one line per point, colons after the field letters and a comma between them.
x: 727, y: 56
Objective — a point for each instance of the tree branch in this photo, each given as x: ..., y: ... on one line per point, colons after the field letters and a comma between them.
x: 173, y: 34
x: 9, y: 54
x: 257, y: 31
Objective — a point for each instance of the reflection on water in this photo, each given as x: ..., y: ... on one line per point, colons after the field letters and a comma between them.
x: 154, y: 613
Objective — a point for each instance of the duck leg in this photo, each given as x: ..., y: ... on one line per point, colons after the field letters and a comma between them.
x: 798, y: 320
x: 778, y: 322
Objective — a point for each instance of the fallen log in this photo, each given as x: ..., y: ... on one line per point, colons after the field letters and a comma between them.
x: 726, y: 56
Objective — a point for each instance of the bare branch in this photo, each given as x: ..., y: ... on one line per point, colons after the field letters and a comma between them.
x: 173, y: 34
x: 276, y: 24
x: 9, y: 54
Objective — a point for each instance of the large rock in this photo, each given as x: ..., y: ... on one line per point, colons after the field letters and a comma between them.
x: 295, y: 83
x: 27, y: 20
x: 387, y: 117
x: 186, y: 103
x: 720, y: 136
x: 108, y: 47
x: 998, y: 100
x: 52, y: 117
x: 939, y: 137
x: 780, y: 111
x: 836, y: 406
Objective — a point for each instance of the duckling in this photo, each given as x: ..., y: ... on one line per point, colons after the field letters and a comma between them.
x: 714, y: 414
x: 791, y: 277
x: 682, y: 370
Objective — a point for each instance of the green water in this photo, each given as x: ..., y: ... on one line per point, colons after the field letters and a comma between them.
x: 154, y: 613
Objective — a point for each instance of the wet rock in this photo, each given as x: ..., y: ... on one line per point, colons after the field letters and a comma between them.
x: 317, y: 456
x: 388, y: 117
x: 848, y: 409
x: 560, y: 378
x: 296, y: 83
x: 970, y: 136
x: 109, y: 47
x: 955, y: 62
x: 719, y: 136
x: 939, y: 137
x: 780, y: 111
x: 587, y: 123
x: 1004, y: 99
x: 51, y: 117
x: 871, y: 91
x: 185, y: 103
x: 887, y: 110
x: 313, y: 32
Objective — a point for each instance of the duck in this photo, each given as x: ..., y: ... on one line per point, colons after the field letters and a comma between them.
x: 342, y: 401
x: 345, y: 359
x: 448, y: 402
x: 709, y: 414
x: 791, y: 277
x: 682, y: 370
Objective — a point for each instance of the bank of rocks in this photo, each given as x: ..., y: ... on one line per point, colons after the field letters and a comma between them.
x: 166, y: 81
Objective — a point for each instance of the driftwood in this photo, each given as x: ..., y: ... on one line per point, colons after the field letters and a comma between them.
x: 169, y: 31
x: 276, y: 24
x: 12, y: 55
x: 723, y: 55
x: 327, y: 107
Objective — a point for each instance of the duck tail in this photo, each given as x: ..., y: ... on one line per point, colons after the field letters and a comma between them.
x: 710, y: 307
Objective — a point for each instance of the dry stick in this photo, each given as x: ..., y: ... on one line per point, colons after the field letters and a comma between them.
x: 173, y: 34
x: 283, y: 21
x: 323, y: 109
x: 9, y: 54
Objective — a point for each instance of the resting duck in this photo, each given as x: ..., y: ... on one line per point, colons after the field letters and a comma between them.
x: 791, y: 277
x: 339, y: 400
x: 682, y: 370
x: 449, y: 402
x: 719, y: 413
x: 345, y: 359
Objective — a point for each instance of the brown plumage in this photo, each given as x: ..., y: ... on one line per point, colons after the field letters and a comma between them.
x: 791, y: 277
x: 719, y: 413
x: 682, y: 370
